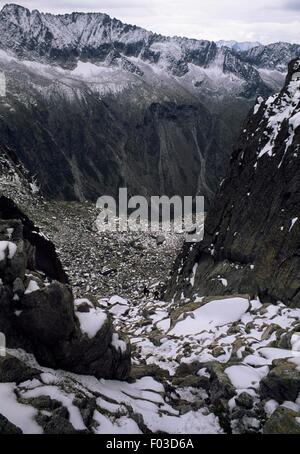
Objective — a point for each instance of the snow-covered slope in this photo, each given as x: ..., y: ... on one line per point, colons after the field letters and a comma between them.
x: 15, y: 181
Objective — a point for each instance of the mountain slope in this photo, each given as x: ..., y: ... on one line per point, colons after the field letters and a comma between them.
x: 251, y: 242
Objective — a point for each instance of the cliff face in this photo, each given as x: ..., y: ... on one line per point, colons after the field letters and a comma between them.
x: 252, y: 242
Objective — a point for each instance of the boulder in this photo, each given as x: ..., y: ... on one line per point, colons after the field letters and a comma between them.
x: 40, y: 251
x: 282, y: 383
x: 160, y: 240
x: 96, y: 356
x: 149, y: 370
x: 43, y: 403
x: 12, y: 370
x: 56, y: 424
x: 220, y: 385
x: 48, y: 313
x: 7, y: 428
x: 244, y: 400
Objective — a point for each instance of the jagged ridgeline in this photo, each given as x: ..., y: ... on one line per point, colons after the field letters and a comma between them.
x: 252, y: 232
x: 94, y: 104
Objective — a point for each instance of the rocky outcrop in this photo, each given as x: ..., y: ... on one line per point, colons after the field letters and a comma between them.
x: 151, y: 149
x: 37, y: 312
x: 251, y: 242
x: 282, y: 383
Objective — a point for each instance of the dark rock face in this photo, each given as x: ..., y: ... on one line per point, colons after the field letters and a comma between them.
x: 7, y: 428
x: 252, y: 230
x: 37, y: 312
x: 49, y: 314
x: 283, y: 421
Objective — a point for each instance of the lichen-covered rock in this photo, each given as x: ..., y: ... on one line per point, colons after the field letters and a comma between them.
x: 282, y: 383
x: 283, y: 421
x: 252, y: 230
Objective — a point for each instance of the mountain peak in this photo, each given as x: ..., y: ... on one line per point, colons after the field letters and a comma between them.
x: 238, y: 46
x: 13, y: 8
x: 293, y: 71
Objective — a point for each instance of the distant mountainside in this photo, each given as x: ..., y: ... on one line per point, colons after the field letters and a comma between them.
x: 93, y: 104
x: 238, y: 46
x: 252, y: 241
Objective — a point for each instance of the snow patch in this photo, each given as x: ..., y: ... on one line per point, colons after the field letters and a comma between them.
x: 91, y: 322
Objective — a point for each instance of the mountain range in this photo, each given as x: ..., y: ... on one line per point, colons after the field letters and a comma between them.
x: 93, y: 104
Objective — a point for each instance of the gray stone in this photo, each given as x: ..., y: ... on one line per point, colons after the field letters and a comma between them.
x: 160, y: 240
x: 220, y: 385
x: 49, y: 314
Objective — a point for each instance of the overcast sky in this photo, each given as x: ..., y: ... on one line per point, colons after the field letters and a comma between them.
x: 243, y: 20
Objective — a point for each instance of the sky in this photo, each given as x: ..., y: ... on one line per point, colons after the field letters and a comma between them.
x: 265, y: 21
